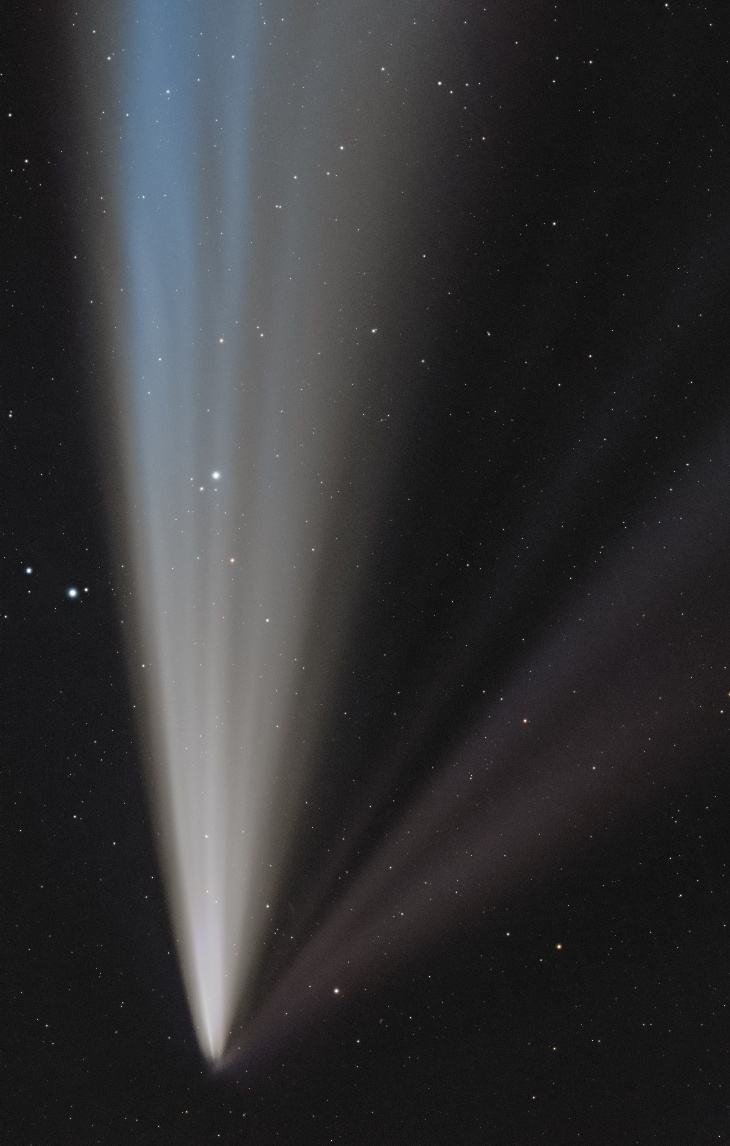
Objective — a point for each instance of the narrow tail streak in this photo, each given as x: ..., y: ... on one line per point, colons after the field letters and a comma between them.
x: 517, y: 794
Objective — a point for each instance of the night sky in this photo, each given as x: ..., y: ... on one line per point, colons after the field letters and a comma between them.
x: 500, y: 911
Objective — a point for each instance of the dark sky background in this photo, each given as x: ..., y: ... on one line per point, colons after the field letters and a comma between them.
x: 576, y: 204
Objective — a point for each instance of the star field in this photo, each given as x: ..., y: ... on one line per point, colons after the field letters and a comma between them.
x: 363, y: 605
